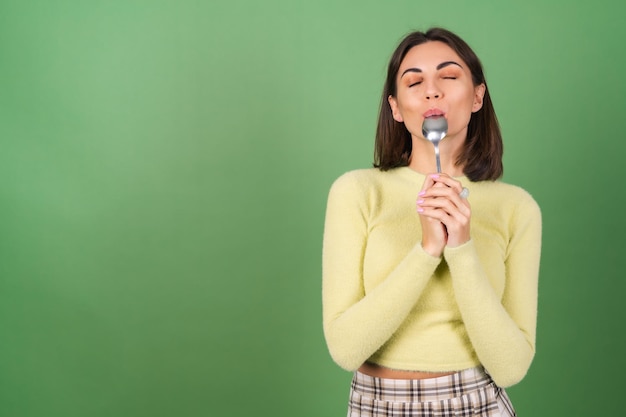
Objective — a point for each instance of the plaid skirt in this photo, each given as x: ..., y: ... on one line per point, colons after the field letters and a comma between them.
x: 471, y: 392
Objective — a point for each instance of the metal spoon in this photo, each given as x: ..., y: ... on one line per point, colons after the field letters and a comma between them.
x: 435, y: 129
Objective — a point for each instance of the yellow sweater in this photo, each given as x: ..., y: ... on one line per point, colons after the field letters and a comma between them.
x: 385, y: 300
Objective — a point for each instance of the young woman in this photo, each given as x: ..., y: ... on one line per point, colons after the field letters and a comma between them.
x: 430, y: 279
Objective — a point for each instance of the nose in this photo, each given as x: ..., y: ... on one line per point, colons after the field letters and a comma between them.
x: 432, y: 91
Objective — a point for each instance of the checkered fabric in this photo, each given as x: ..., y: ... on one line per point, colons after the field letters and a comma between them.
x: 471, y: 392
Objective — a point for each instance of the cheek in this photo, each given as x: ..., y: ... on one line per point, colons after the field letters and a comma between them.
x: 407, y: 104
x: 398, y: 108
x: 460, y: 120
x: 465, y: 103
x: 461, y: 110
x: 411, y: 119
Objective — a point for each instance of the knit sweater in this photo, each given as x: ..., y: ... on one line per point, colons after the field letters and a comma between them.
x: 387, y: 301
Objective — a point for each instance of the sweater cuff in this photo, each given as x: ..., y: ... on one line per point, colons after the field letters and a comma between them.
x: 464, y: 254
x: 435, y: 259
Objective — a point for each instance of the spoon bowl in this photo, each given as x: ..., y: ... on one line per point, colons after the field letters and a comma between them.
x: 435, y: 129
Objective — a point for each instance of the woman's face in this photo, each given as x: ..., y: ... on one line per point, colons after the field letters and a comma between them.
x: 433, y: 80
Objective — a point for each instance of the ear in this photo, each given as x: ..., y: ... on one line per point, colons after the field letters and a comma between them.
x: 479, y: 94
x: 393, y: 103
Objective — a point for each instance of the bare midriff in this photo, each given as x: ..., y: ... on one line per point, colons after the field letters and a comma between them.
x: 378, y: 371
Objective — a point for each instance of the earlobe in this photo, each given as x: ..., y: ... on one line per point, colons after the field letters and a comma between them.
x: 479, y: 94
x: 393, y: 104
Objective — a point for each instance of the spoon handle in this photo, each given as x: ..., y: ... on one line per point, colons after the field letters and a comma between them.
x: 437, y: 157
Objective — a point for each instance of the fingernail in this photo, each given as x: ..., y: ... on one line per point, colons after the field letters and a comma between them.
x: 435, y: 176
x: 421, y: 193
x: 420, y: 210
x: 420, y: 201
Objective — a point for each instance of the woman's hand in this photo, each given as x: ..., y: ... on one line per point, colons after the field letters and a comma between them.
x: 444, y: 215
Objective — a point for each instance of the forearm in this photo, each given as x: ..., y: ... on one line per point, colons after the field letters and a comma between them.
x: 504, y: 344
x: 355, y: 328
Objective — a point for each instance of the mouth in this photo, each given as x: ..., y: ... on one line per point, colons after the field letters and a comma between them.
x: 434, y: 113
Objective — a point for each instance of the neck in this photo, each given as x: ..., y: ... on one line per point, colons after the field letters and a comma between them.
x: 423, y: 156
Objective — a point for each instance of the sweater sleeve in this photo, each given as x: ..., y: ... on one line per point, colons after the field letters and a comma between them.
x: 356, y: 324
x: 502, y: 330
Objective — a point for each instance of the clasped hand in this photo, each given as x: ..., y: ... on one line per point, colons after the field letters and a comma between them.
x: 444, y: 215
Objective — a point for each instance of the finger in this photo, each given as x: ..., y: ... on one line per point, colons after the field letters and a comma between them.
x: 434, y: 215
x: 436, y: 196
x: 429, y: 181
x: 454, y: 222
x: 451, y: 204
x: 449, y: 182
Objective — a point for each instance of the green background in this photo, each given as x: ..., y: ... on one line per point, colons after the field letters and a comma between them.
x: 164, y: 167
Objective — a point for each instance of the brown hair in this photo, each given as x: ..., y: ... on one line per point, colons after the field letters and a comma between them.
x: 482, y: 151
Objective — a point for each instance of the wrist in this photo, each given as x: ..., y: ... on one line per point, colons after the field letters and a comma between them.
x: 456, y: 243
x: 432, y: 250
x: 457, y: 240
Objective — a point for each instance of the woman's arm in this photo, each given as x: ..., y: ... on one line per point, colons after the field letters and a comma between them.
x: 356, y: 324
x: 502, y: 330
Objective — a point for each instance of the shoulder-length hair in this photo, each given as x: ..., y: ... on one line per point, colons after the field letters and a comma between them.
x: 482, y: 152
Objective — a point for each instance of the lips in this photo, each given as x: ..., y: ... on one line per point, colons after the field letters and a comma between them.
x: 434, y: 113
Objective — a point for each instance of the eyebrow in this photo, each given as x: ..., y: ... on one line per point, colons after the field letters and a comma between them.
x: 440, y: 66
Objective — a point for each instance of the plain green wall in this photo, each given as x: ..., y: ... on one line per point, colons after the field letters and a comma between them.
x: 164, y: 167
